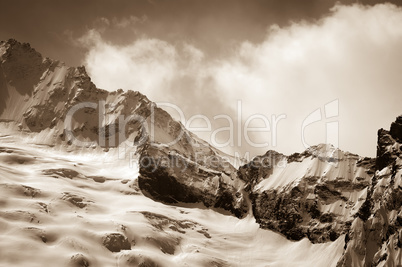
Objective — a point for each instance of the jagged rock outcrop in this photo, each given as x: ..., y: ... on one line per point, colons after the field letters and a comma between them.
x: 314, y: 194
x: 375, y: 236
x: 63, y: 106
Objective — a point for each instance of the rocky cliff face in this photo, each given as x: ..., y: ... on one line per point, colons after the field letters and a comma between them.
x: 63, y: 106
x: 314, y: 194
x: 375, y: 236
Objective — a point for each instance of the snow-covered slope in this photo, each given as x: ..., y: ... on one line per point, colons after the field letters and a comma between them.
x: 82, y: 208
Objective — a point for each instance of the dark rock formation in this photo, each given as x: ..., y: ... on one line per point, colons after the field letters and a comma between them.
x: 396, y: 129
x: 115, y: 242
x: 260, y: 167
x: 141, y: 261
x: 79, y: 260
x: 77, y: 201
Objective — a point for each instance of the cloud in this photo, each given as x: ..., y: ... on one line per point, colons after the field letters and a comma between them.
x: 104, y: 23
x: 127, y: 21
x: 353, y: 55
x: 145, y: 65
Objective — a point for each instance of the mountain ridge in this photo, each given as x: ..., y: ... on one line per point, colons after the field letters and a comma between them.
x: 122, y: 120
x: 322, y: 194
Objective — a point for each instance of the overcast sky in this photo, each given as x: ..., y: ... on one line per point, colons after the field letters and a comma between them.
x: 280, y: 59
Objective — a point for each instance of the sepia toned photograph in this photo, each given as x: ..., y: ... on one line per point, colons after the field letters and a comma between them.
x: 200, y: 133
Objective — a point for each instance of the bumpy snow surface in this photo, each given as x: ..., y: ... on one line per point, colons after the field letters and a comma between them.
x: 83, y: 208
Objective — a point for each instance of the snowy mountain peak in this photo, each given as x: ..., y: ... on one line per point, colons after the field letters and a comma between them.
x: 62, y: 106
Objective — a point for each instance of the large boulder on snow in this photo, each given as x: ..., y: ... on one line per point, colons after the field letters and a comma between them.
x: 170, y: 177
x: 115, y: 242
